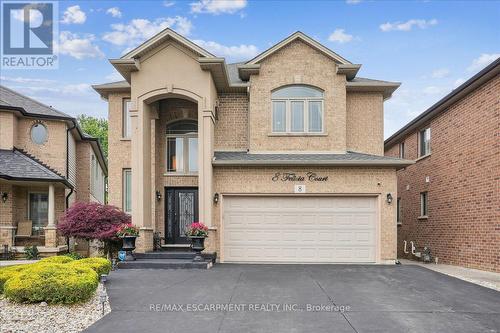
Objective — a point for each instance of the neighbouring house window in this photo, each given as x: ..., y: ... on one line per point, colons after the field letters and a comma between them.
x: 127, y: 190
x: 398, y: 212
x: 182, y: 147
x: 402, y: 150
x: 39, y: 133
x: 297, y: 109
x: 424, y: 142
x: 423, y: 203
x: 38, y: 211
x: 96, y: 179
x: 126, y: 124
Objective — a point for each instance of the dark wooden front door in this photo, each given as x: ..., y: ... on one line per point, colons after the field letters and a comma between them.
x: 181, y: 210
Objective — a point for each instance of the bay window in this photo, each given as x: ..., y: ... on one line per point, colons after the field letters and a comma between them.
x: 182, y: 147
x: 297, y: 109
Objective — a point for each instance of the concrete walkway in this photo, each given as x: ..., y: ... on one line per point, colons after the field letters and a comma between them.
x: 4, y: 263
x: 482, y: 278
x: 297, y: 298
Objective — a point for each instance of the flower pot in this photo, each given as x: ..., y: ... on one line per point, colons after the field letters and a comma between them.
x: 128, y: 245
x: 198, y: 245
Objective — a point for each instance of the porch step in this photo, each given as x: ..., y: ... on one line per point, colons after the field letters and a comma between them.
x: 180, y: 255
x: 175, y: 247
x: 164, y: 264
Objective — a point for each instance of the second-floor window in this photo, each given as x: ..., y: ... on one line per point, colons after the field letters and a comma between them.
x: 424, y: 142
x: 127, y: 190
x: 182, y: 147
x: 402, y: 150
x: 297, y: 109
x: 126, y: 125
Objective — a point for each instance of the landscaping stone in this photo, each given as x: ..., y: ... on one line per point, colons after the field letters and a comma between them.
x: 43, y: 318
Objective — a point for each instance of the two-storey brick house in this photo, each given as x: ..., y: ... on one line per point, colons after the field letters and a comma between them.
x: 449, y: 200
x: 281, y: 156
x: 46, y: 164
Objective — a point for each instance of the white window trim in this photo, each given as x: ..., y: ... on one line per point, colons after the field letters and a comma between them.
x: 185, y: 147
x: 124, y: 190
x: 402, y: 149
x: 124, y: 126
x: 419, y: 144
x: 288, y: 115
x: 424, y: 215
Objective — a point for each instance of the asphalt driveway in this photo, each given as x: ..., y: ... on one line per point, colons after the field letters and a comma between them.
x: 297, y: 298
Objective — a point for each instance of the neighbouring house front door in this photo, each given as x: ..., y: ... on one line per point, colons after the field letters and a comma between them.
x: 181, y: 210
x: 38, y: 211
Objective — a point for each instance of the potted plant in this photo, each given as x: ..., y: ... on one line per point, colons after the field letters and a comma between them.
x: 128, y: 233
x: 197, y: 232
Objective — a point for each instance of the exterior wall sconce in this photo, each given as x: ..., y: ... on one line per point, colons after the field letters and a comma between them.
x: 158, y: 195
x: 216, y: 198
x: 389, y: 198
x: 5, y: 196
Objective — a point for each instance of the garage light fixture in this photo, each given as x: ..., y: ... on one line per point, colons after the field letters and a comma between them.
x: 216, y: 198
x: 389, y: 198
x: 158, y: 195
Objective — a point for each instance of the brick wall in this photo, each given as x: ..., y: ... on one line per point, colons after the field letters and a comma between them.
x: 231, y: 128
x: 463, y: 224
x: 82, y: 192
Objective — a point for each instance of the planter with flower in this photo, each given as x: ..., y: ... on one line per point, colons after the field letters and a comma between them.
x: 128, y: 233
x: 197, y: 232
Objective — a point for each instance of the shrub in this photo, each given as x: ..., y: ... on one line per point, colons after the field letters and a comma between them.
x: 52, y: 283
x: 99, y: 265
x: 74, y: 255
x: 31, y: 252
x: 57, y: 260
x: 8, y: 272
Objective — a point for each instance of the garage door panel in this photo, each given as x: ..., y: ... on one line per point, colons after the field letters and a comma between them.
x: 299, y: 229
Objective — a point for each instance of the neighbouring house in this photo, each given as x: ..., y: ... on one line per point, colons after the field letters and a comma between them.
x: 449, y: 200
x: 46, y: 164
x: 280, y: 156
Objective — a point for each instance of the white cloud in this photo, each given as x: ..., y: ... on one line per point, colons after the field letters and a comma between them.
x: 74, y: 15
x: 340, y: 36
x: 168, y: 3
x: 408, y: 25
x: 352, y: 2
x: 440, y: 73
x: 36, y: 17
x: 78, y: 47
x: 458, y: 82
x: 20, y: 79
x: 138, y: 30
x: 233, y: 53
x: 482, y: 61
x: 433, y: 90
x: 115, y: 76
x: 114, y: 11
x: 217, y: 7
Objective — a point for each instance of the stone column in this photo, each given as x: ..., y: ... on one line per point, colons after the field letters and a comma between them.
x: 141, y: 175
x: 51, y: 229
x: 206, y: 121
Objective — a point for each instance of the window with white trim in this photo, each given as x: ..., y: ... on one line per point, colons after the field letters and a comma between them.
x: 424, y: 142
x: 126, y: 123
x: 182, y: 147
x: 127, y: 190
x: 297, y: 109
x: 401, y: 150
x: 424, y: 204
x: 398, y: 212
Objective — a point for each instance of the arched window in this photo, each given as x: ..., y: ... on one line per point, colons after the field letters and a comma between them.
x: 182, y: 147
x: 297, y: 109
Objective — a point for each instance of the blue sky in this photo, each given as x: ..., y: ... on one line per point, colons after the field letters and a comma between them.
x: 429, y: 46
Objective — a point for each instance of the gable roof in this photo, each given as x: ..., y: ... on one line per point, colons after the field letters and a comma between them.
x: 18, y: 165
x: 298, y: 35
x: 161, y: 37
x: 14, y: 101
x: 442, y: 105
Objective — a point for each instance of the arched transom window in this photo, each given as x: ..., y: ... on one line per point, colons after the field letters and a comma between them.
x: 182, y: 147
x: 297, y: 109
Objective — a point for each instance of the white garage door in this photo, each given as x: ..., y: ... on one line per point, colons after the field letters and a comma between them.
x: 300, y: 229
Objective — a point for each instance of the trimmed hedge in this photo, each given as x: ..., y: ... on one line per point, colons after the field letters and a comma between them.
x: 56, y: 260
x: 99, y: 265
x: 8, y: 272
x: 52, y: 283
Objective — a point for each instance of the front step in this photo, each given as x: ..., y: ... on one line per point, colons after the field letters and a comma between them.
x: 184, y: 255
x: 175, y: 247
x: 164, y: 264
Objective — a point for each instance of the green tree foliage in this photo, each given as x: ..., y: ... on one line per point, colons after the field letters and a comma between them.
x: 96, y: 127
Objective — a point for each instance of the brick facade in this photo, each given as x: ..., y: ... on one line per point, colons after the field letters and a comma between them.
x: 463, y: 224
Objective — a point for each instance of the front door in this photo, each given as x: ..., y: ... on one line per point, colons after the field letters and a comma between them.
x: 181, y: 210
